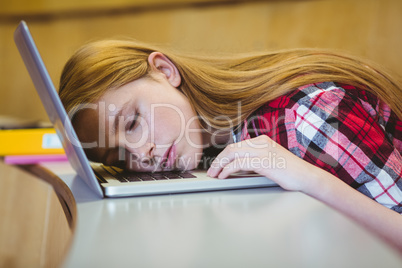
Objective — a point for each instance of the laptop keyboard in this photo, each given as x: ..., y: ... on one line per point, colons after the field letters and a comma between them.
x: 124, y: 176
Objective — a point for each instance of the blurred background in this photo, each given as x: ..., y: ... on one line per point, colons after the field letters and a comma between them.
x: 367, y: 28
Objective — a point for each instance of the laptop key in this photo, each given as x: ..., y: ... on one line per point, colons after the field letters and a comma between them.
x: 121, y: 179
x: 112, y: 172
x: 173, y: 176
x: 187, y: 175
x: 132, y: 178
x: 159, y: 176
x: 147, y: 178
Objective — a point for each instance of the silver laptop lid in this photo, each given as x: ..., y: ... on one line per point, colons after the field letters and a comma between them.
x: 53, y: 106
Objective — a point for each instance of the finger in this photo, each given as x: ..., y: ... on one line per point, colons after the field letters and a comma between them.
x: 218, y: 164
x: 239, y: 164
x: 229, y: 154
x: 248, y: 148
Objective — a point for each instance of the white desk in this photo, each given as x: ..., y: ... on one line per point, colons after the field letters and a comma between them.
x: 266, y: 227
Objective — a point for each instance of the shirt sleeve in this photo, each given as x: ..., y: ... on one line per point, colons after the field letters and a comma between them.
x: 330, y: 129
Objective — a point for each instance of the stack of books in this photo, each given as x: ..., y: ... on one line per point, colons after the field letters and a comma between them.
x: 27, y: 142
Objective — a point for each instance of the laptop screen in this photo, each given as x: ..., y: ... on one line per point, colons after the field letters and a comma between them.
x: 53, y: 106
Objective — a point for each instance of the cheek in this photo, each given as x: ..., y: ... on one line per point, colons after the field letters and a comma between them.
x: 133, y: 139
x: 168, y: 121
x: 175, y: 122
x: 191, y: 157
x: 194, y: 130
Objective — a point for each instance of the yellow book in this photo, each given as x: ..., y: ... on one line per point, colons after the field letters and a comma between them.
x: 29, y: 141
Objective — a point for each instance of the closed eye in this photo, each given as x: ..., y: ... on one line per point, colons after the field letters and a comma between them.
x: 133, y: 123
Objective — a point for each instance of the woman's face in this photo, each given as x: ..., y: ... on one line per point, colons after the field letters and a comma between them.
x: 145, y: 125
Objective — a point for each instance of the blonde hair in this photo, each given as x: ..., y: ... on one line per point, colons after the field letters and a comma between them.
x: 216, y: 85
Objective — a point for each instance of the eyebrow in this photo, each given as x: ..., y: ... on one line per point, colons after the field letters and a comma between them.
x: 116, y: 122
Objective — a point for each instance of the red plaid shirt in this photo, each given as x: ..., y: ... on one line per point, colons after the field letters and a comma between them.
x: 342, y: 129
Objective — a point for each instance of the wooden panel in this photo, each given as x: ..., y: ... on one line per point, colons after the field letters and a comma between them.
x: 46, y: 6
x: 369, y: 28
x: 34, y: 229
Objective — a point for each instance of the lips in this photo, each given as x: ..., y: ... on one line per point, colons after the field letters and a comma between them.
x: 169, y: 157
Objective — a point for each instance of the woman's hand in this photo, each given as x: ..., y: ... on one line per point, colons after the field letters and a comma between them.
x: 266, y: 157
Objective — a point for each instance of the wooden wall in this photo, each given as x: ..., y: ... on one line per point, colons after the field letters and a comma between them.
x: 369, y: 28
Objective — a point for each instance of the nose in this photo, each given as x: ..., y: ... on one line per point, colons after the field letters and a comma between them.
x: 143, y: 153
x: 142, y: 158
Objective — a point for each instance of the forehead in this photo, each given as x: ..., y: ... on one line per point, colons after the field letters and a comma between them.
x: 86, y: 123
x: 95, y: 117
x: 114, y: 99
x: 95, y: 128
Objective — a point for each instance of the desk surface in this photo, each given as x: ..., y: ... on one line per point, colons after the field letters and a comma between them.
x: 266, y: 227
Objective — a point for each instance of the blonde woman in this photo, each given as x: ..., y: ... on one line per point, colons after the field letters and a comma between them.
x: 319, y: 122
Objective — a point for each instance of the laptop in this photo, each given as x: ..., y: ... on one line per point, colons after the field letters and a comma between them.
x: 108, y: 181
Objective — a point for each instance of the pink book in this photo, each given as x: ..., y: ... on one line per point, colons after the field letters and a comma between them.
x: 33, y: 159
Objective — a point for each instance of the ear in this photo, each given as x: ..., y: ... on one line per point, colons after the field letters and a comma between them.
x: 160, y: 63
